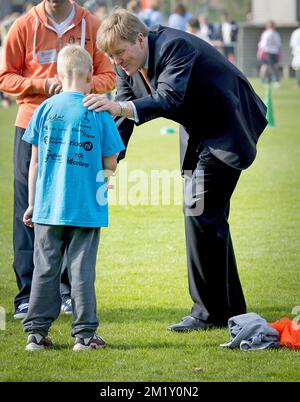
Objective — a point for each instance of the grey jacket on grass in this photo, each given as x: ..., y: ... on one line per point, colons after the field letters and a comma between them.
x: 250, y: 332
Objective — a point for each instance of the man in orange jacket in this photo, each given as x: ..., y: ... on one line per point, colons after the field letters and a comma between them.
x: 28, y: 70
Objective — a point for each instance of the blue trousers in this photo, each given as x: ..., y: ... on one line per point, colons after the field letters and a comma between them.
x: 51, y: 244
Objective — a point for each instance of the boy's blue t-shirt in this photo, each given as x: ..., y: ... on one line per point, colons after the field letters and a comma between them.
x: 71, y: 140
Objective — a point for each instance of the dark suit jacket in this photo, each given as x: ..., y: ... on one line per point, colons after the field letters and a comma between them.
x: 197, y: 87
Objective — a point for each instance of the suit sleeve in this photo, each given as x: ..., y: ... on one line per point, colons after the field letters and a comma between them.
x: 125, y: 126
x: 174, y: 69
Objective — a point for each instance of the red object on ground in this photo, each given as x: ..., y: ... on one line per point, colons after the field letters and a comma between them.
x: 289, y: 332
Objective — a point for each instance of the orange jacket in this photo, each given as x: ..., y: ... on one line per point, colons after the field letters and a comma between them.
x: 29, y: 57
x: 289, y: 332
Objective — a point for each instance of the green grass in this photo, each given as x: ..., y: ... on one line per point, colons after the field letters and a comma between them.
x: 141, y: 271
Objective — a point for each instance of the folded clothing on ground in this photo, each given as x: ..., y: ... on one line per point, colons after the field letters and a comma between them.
x: 250, y: 332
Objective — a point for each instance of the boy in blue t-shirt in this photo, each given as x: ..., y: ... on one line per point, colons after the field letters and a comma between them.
x: 73, y: 151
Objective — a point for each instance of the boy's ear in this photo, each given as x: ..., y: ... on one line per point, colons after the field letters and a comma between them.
x: 90, y: 75
x: 89, y: 82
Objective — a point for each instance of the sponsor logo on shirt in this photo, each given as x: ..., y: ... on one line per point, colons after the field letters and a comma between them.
x: 53, y: 157
x: 53, y: 140
x: 87, y: 145
x: 55, y: 117
x: 72, y: 161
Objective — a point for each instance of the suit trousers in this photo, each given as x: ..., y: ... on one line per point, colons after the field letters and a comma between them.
x: 23, y: 236
x: 214, y: 283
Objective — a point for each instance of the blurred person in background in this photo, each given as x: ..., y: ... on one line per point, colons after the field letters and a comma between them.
x: 192, y: 27
x: 97, y: 7
x: 134, y: 6
x: 206, y: 28
x: 295, y: 47
x: 152, y: 15
x: 269, y: 53
x: 227, y: 34
x: 179, y: 17
x: 5, y: 8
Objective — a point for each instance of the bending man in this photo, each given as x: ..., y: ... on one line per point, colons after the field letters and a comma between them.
x: 164, y: 72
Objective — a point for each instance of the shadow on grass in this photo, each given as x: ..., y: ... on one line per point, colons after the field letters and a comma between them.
x: 163, y: 315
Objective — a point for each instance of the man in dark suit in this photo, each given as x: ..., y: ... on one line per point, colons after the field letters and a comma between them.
x: 169, y: 73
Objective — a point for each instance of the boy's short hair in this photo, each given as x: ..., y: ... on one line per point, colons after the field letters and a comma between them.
x: 74, y: 60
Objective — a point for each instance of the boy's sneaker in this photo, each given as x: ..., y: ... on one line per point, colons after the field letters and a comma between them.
x: 66, y: 306
x: 38, y: 342
x: 21, y: 311
x: 94, y: 342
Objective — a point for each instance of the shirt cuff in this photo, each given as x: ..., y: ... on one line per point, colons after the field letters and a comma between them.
x: 135, y: 115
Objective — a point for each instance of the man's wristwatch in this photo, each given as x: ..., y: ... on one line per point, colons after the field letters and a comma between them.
x: 124, y: 109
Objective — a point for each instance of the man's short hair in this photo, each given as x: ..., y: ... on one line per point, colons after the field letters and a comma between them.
x: 119, y: 25
x: 74, y: 60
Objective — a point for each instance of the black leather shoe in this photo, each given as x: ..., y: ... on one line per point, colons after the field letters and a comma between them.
x: 189, y: 323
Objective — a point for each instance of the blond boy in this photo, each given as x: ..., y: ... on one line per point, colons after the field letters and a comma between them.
x: 71, y: 148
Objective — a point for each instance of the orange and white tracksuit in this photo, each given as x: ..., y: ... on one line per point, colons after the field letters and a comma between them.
x: 30, y: 52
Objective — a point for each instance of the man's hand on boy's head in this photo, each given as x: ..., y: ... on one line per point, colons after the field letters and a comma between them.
x: 27, y: 217
x: 53, y: 86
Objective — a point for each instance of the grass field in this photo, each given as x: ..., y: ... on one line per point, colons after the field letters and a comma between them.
x: 141, y: 271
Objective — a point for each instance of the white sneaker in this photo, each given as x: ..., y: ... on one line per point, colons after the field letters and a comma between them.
x: 38, y: 342
x: 94, y: 342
